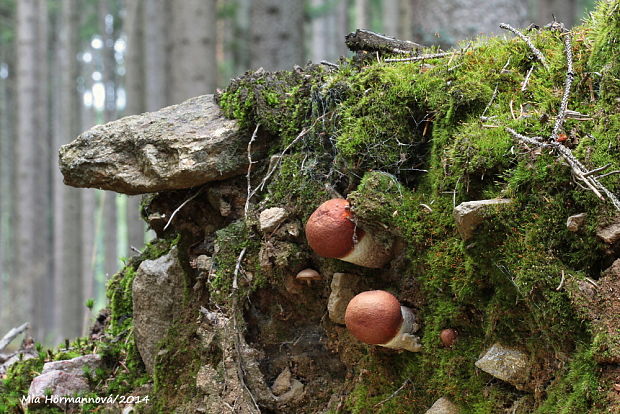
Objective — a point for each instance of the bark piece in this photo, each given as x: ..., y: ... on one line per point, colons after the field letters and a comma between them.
x: 374, y: 42
x: 180, y: 146
x: 443, y: 406
x: 157, y: 291
x: 507, y: 364
x: 470, y: 214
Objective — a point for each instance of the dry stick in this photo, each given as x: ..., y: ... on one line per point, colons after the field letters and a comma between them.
x: 561, y: 282
x: 393, y: 394
x: 250, y: 162
x: 559, y: 120
x: 174, y: 213
x: 8, y: 338
x: 422, y: 57
x: 527, y: 79
x: 527, y: 41
x: 237, y: 268
x: 486, y: 108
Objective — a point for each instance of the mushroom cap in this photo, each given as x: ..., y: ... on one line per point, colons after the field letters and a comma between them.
x: 308, y: 274
x: 448, y: 337
x: 373, y: 317
x: 330, y: 229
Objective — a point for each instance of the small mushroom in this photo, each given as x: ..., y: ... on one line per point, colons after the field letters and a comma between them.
x: 308, y: 275
x: 331, y: 231
x: 376, y: 317
x: 448, y: 337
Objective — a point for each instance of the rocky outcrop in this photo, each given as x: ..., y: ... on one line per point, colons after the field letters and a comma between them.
x: 62, y: 379
x: 470, y: 214
x: 180, y: 146
x: 507, y: 364
x: 157, y: 293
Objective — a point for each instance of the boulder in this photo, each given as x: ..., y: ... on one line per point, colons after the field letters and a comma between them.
x: 507, y: 364
x: 180, y: 146
x: 157, y: 292
x: 470, y: 214
x: 62, y: 379
x: 344, y: 287
x: 443, y: 406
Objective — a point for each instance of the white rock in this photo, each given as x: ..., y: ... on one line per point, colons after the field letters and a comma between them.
x: 271, y: 218
x: 443, y: 406
x: 344, y: 287
x: 470, y: 214
x: 507, y: 364
x: 576, y: 222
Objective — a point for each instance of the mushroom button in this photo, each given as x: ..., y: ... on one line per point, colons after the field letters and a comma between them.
x: 376, y: 317
x: 331, y: 231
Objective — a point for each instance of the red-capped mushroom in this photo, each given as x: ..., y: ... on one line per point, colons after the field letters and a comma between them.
x: 376, y: 317
x: 331, y: 231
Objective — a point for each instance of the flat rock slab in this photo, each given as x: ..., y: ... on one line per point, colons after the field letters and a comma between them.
x: 507, y: 364
x: 470, y: 214
x: 180, y: 146
x: 610, y: 233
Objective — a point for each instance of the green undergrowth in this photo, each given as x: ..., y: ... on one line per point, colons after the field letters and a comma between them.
x: 406, y: 142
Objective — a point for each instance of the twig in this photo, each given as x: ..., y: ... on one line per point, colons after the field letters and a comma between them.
x: 594, y: 171
x: 422, y: 57
x: 608, y: 174
x: 561, y: 282
x: 239, y: 366
x: 135, y: 249
x: 527, y: 41
x: 250, y: 162
x: 180, y: 207
x: 592, y: 282
x: 559, y: 120
x: 12, y: 334
x: 326, y: 63
x: 235, y: 286
x: 527, y: 79
x: 486, y: 108
x: 393, y: 394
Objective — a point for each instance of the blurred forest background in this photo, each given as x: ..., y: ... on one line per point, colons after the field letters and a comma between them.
x: 66, y: 65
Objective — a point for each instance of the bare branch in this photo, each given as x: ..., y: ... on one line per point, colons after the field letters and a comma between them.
x: 12, y: 334
x: 559, y: 120
x: 180, y: 207
x: 422, y: 57
x: 528, y: 42
x: 250, y: 162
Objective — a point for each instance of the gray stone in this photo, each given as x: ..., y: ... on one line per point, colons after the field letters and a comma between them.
x: 271, y: 218
x: 180, y: 146
x: 157, y: 292
x: 507, y: 364
x: 576, y: 222
x: 344, y: 287
x: 443, y: 406
x: 470, y: 214
x: 610, y: 233
x: 62, y: 379
x: 282, y: 382
x: 294, y: 394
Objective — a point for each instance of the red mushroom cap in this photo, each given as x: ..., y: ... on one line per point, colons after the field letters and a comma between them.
x: 330, y: 229
x: 448, y: 337
x: 374, y: 317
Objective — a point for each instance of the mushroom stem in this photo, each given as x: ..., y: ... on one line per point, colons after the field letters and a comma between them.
x: 367, y: 252
x: 405, y: 339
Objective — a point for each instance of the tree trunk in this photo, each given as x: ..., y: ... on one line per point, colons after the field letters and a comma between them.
x: 444, y: 22
x: 69, y: 246
x: 241, y: 52
x: 362, y: 14
x: 192, y: 49
x: 276, y: 34
x: 391, y: 18
x: 134, y: 86
x: 32, y: 233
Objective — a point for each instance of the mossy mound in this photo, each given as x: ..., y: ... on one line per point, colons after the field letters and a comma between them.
x: 404, y: 142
